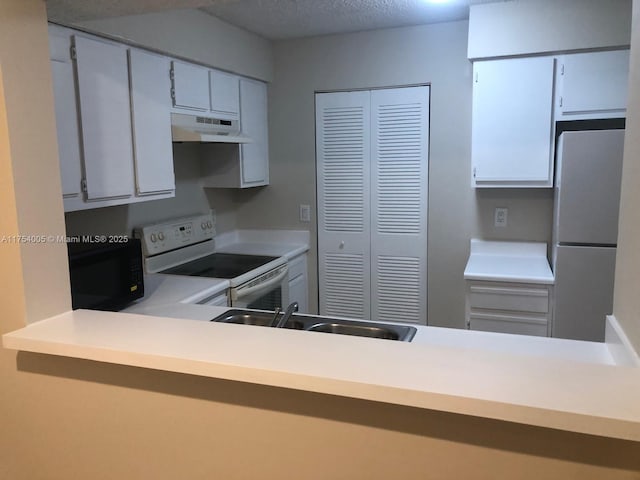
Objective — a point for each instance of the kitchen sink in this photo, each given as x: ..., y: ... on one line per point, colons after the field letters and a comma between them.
x: 312, y: 323
x: 246, y: 317
x: 358, y: 330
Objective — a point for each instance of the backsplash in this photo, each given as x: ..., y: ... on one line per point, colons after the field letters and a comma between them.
x: 190, y: 199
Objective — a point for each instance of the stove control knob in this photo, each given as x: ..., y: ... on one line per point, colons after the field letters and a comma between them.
x: 153, y: 237
x: 204, y: 225
x: 161, y: 236
x: 209, y: 224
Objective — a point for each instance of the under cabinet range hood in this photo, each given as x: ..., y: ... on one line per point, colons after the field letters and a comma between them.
x: 196, y: 128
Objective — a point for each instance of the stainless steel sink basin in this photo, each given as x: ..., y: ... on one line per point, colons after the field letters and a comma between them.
x: 313, y: 323
x: 358, y: 330
x: 246, y: 317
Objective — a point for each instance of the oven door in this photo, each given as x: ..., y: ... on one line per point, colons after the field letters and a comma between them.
x: 266, y: 292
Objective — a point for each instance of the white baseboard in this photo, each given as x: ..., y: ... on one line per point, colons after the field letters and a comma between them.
x: 619, y: 345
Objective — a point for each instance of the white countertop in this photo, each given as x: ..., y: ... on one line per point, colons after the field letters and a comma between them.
x: 524, y: 262
x: 277, y: 243
x: 446, y: 371
x: 160, y: 288
x: 554, y: 383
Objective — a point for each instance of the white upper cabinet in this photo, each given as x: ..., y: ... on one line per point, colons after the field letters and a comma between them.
x: 105, y: 111
x: 592, y: 85
x: 253, y: 121
x: 150, y: 112
x: 512, y: 123
x: 68, y: 129
x: 228, y: 165
x: 110, y: 106
x: 225, y: 94
x: 190, y: 86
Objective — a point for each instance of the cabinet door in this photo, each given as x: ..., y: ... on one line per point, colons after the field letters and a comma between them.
x: 225, y: 94
x: 399, y: 159
x: 343, y: 148
x: 190, y: 86
x: 298, y: 292
x: 67, y: 127
x: 298, y: 282
x: 253, y: 121
x: 105, y: 112
x: 150, y: 112
x: 512, y: 123
x: 594, y: 83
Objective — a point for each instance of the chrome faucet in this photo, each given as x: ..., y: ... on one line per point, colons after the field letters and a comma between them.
x: 287, y: 314
x: 274, y: 320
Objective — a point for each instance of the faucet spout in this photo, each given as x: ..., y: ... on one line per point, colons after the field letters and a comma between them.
x: 287, y: 314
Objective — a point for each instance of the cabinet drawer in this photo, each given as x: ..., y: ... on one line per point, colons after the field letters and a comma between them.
x: 518, y: 324
x: 509, y: 298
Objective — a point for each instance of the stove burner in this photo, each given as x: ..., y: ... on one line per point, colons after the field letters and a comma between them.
x: 220, y: 265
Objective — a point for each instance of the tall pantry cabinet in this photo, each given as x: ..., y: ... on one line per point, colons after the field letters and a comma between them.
x: 372, y: 165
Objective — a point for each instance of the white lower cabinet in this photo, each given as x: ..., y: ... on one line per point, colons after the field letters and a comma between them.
x: 504, y: 307
x: 298, y: 282
x: 217, y: 300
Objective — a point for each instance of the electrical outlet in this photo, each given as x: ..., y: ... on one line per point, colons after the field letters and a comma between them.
x: 305, y: 213
x: 500, y: 217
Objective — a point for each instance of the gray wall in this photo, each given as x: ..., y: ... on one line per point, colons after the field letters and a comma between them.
x: 193, y: 35
x: 190, y: 198
x: 435, y: 54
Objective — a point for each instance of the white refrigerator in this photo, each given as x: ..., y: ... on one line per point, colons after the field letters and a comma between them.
x: 585, y: 231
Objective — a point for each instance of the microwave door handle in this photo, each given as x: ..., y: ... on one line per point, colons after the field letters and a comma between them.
x: 243, y: 292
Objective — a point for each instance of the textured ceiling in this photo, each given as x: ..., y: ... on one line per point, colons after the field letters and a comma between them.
x: 69, y: 11
x: 279, y: 19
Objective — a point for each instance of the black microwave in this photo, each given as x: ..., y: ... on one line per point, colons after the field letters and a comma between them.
x: 105, y: 276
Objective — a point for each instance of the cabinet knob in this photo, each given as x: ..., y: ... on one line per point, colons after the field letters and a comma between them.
x: 342, y: 244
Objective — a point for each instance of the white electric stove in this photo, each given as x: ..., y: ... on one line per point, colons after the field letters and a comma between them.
x: 186, y: 247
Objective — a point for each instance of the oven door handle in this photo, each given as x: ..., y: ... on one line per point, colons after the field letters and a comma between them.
x: 237, y: 293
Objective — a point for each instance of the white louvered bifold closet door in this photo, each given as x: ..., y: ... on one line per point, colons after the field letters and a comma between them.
x: 372, y: 164
x: 399, y: 167
x: 343, y: 144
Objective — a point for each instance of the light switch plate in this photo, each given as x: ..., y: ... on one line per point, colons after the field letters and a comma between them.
x: 500, y: 217
x: 305, y: 213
